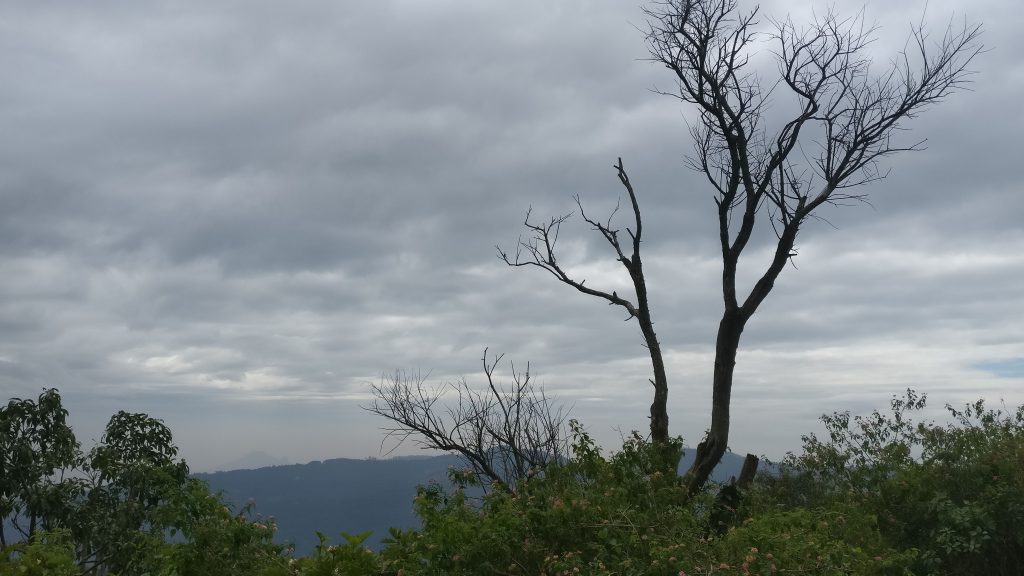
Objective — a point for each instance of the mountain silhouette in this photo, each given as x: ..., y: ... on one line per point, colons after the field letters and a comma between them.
x: 354, y: 496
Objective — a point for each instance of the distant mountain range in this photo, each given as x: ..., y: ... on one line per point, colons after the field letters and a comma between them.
x: 334, y: 495
x: 354, y: 496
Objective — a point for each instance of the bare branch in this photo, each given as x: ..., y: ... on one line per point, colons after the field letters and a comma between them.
x: 539, y: 251
x: 505, y: 434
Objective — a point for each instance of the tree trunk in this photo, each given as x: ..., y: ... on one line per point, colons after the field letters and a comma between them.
x: 669, y: 452
x: 659, y: 407
x: 635, y: 265
x: 711, y: 449
x: 748, y: 472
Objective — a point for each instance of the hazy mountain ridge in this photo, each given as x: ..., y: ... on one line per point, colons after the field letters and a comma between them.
x: 352, y: 495
x: 252, y: 461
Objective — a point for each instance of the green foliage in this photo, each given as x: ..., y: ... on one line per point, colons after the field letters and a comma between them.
x: 882, y: 494
x: 130, y: 443
x: 44, y: 554
x: 860, y: 453
x: 121, y: 506
x: 624, y: 515
x: 219, y: 541
x: 134, y: 495
x: 584, y: 513
x: 960, y: 502
x: 350, y: 558
x: 36, y: 444
x: 963, y: 504
x: 811, y: 541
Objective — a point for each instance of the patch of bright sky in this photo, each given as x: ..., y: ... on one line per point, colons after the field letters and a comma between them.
x: 1011, y: 368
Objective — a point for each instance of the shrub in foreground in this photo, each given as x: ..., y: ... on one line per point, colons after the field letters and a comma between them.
x: 623, y: 515
x: 954, y: 492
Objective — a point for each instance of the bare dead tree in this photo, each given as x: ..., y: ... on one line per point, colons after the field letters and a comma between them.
x: 539, y: 250
x: 504, y: 433
x: 846, y: 117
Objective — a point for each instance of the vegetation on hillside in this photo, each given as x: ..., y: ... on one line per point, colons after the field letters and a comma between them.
x: 882, y: 494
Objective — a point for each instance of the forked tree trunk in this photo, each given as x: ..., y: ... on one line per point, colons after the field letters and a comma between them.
x: 850, y: 113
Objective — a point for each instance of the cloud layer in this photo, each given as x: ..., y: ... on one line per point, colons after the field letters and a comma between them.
x: 236, y: 216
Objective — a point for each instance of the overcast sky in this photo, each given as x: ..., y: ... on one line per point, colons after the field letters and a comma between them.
x: 236, y: 215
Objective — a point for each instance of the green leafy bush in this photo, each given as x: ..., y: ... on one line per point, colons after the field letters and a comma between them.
x: 811, y: 541
x: 36, y: 446
x: 959, y: 502
x: 350, y: 558
x: 220, y: 541
x: 127, y: 507
x: 45, y: 554
x: 882, y: 494
x: 624, y: 515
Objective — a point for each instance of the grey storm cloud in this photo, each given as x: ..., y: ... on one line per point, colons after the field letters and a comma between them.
x: 237, y: 215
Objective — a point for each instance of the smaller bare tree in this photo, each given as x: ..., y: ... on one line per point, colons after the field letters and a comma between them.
x: 505, y: 433
x: 539, y: 250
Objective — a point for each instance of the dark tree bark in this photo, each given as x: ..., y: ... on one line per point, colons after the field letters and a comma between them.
x: 539, y: 250
x: 845, y: 111
x: 748, y: 472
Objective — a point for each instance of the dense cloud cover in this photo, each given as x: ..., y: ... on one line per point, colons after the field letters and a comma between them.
x: 236, y: 215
